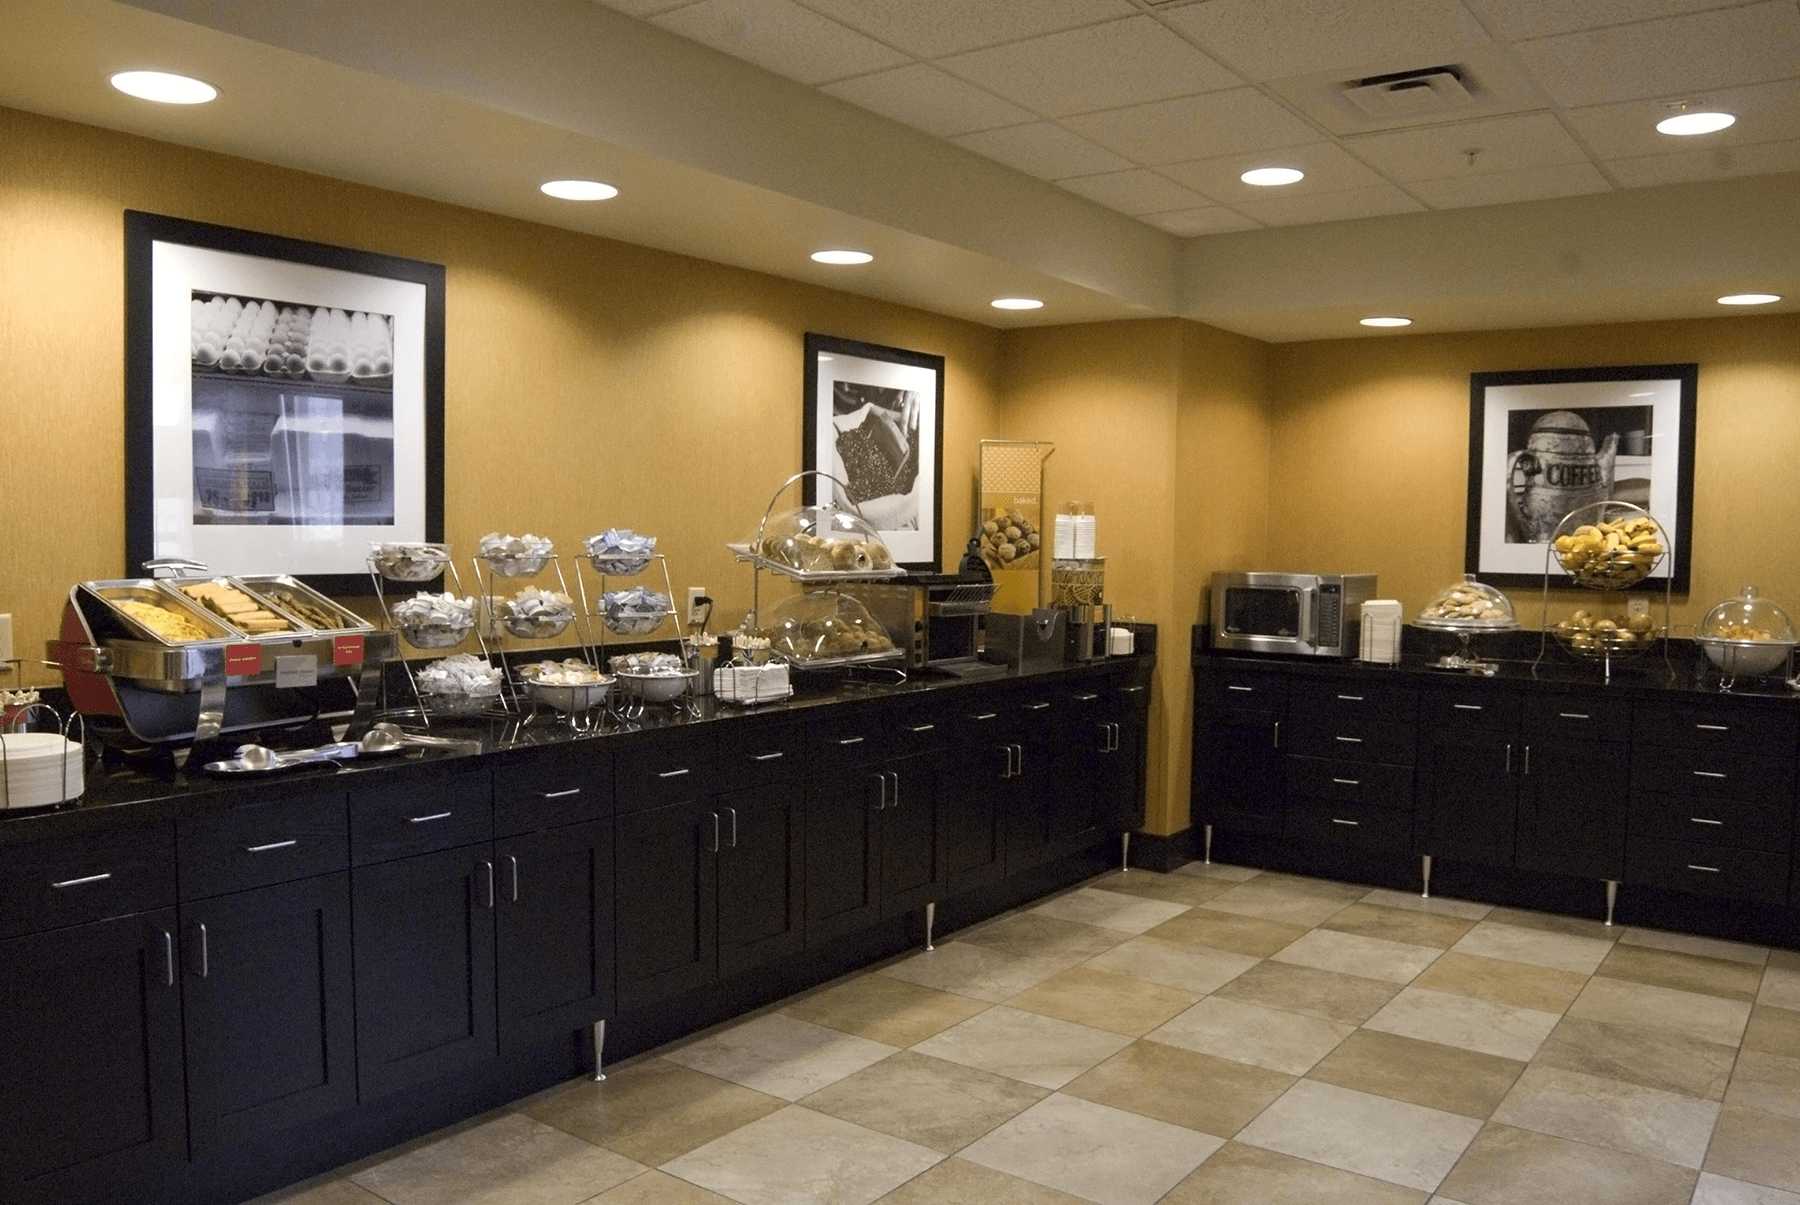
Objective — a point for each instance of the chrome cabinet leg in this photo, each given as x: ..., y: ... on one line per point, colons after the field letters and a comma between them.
x: 1612, y: 898
x: 1425, y: 876
x: 599, y: 1076
x: 1124, y: 852
x: 930, y: 923
x: 1206, y: 844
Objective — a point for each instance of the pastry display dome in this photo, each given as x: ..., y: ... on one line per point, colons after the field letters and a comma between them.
x: 1468, y: 604
x: 826, y: 626
x: 822, y: 541
x: 1747, y: 634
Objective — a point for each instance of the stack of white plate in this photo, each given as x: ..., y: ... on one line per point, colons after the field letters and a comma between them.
x: 38, y: 768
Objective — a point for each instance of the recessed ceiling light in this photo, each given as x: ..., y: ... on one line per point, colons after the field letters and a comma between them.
x: 1268, y: 176
x: 1017, y: 303
x: 842, y: 257
x: 1750, y: 299
x: 578, y: 190
x: 1694, y: 123
x: 164, y: 88
x: 1386, y: 321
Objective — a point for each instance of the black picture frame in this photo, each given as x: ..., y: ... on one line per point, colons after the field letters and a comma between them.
x: 1641, y: 413
x: 899, y: 429
x: 416, y: 410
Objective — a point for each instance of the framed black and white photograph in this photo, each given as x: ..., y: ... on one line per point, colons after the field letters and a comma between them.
x: 1545, y: 442
x: 284, y: 402
x: 875, y: 421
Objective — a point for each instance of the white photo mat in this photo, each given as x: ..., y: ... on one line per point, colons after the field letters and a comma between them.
x: 915, y: 543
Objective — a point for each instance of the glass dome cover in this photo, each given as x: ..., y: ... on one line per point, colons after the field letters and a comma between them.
x: 823, y: 539
x: 1468, y: 604
x: 824, y: 625
x: 1748, y: 617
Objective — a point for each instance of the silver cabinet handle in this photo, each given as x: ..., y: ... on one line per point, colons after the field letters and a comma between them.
x: 1713, y: 727
x: 1349, y: 740
x: 205, y: 954
x: 733, y: 812
x: 1573, y: 715
x: 562, y: 794
x: 672, y: 773
x: 1086, y: 698
x: 1036, y: 706
x: 1349, y: 782
x: 263, y: 849
x: 513, y: 865
x: 987, y: 715
x: 423, y: 819
x: 896, y: 802
x: 1018, y: 753
x: 1707, y: 774
x: 1131, y: 690
x: 1707, y: 869
x: 769, y: 756
x: 922, y: 727
x: 487, y: 869
x: 1527, y: 770
x: 881, y: 799
x: 1351, y: 698
x: 850, y: 740
x: 1245, y: 689
x: 1509, y: 758
x: 1277, y: 744
x: 92, y: 878
x: 1466, y: 706
x: 1351, y: 823
x: 1008, y: 772
x: 715, y: 844
x: 1704, y: 820
x: 168, y: 958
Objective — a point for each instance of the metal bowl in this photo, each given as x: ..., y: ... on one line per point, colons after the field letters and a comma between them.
x: 536, y: 627
x: 436, y: 634
x: 567, y: 699
x: 633, y: 623
x: 1751, y: 657
x: 516, y: 564
x: 411, y: 562
x: 456, y: 702
x: 620, y: 564
x: 656, y: 688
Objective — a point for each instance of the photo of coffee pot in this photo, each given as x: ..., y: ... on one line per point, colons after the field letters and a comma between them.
x: 1558, y: 470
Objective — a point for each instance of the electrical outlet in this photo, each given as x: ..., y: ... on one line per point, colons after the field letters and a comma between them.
x: 696, y: 611
x: 6, y: 648
x: 1637, y: 606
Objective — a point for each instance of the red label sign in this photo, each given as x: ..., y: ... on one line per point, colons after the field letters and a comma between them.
x: 346, y: 650
x: 243, y: 659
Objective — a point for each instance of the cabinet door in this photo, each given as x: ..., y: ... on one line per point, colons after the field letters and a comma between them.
x: 761, y: 872
x: 1122, y: 771
x: 1572, y: 807
x: 666, y: 908
x: 843, y: 850
x: 1027, y: 801
x: 972, y: 797
x: 1468, y: 797
x: 266, y: 1001
x: 912, y: 836
x: 553, y: 937
x: 1077, y: 801
x: 90, y: 1087
x: 1238, y: 777
x: 424, y: 944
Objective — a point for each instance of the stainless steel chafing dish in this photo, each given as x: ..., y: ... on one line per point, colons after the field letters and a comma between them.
x: 162, y: 687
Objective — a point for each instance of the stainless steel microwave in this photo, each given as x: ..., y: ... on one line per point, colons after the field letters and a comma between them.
x: 1303, y: 614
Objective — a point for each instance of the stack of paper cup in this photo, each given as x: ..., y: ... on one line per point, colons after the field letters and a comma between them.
x: 1084, y: 537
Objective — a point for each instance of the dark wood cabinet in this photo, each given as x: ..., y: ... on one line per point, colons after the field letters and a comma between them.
x: 913, y: 839
x: 424, y: 948
x: 1238, y: 774
x: 91, y: 1082
x: 761, y: 895
x: 843, y: 849
x: 553, y: 931
x: 666, y: 918
x: 267, y: 1009
x: 1468, y: 799
x: 1572, y: 801
x: 973, y: 794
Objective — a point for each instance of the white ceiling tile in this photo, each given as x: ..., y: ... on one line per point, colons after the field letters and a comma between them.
x: 1761, y: 160
x: 1267, y: 41
x: 1518, y: 20
x: 643, y: 8
x: 1764, y: 112
x: 932, y: 28
x: 1098, y: 67
x: 1502, y: 144
x: 1330, y: 206
x: 1136, y: 191
x: 1043, y: 150
x: 781, y: 36
x: 1327, y: 166
x: 1195, y: 127
x: 925, y: 97
x: 1525, y: 184
x: 1211, y: 219
x: 1670, y: 58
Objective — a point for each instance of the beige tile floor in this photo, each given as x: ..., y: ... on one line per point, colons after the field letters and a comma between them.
x: 1216, y: 1035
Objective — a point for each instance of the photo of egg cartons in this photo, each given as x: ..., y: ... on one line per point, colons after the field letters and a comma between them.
x: 293, y: 413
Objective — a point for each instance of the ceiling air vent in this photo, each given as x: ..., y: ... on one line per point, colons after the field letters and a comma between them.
x: 1423, y: 93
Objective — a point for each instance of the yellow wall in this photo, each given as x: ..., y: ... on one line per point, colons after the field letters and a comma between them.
x: 1371, y: 444
x: 588, y: 383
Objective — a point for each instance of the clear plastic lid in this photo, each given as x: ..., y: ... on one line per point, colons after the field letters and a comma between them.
x: 824, y: 625
x: 1749, y: 616
x: 821, y: 539
x: 1469, y: 604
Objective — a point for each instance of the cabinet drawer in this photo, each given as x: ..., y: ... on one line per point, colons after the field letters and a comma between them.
x: 552, y: 790
x: 865, y: 734
x: 50, y: 884
x: 1242, y: 689
x: 1350, y: 824
x: 1334, y: 780
x: 1734, y: 822
x: 1354, y: 739
x: 651, y: 774
x: 1577, y: 717
x: 1468, y: 707
x: 1713, y: 774
x: 1740, y: 874
x: 761, y: 753
x: 1717, y: 725
x: 262, y: 844
x: 420, y: 816
x: 1351, y: 697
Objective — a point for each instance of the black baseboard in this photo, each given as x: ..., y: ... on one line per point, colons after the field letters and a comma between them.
x: 1153, y: 851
